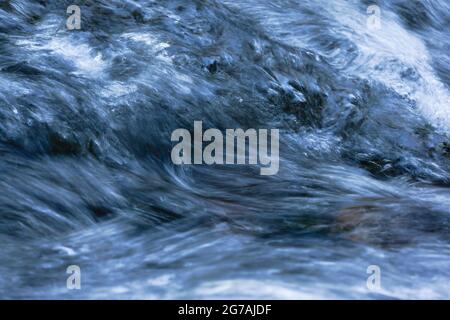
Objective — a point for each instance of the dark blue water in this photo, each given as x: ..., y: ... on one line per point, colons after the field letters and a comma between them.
x: 85, y: 171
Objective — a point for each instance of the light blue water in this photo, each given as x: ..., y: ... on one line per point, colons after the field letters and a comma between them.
x: 85, y: 171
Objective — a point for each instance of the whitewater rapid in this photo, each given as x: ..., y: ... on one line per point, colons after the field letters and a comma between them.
x: 86, y: 177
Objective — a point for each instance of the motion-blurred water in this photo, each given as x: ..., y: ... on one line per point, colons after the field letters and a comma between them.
x: 86, y: 177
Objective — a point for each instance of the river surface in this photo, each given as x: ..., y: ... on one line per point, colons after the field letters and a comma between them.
x: 86, y: 177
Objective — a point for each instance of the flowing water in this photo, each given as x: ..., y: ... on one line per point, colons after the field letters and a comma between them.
x: 86, y: 176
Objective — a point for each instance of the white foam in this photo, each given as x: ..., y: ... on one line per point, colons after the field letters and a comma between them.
x: 255, y: 289
x: 160, y: 281
x: 155, y: 45
x: 80, y: 54
x: 118, y: 89
x: 385, y: 54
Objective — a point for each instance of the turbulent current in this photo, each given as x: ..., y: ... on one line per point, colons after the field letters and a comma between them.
x: 86, y: 176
